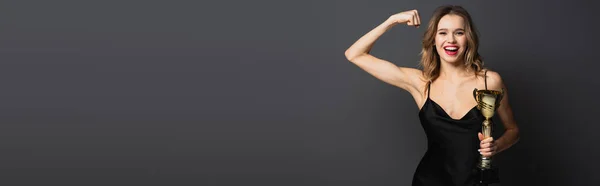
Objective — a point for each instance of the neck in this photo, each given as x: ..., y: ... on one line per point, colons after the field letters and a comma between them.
x: 453, y: 71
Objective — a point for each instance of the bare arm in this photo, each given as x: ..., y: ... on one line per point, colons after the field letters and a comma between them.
x: 358, y: 53
x: 511, y: 134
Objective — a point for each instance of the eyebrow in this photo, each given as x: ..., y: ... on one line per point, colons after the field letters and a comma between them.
x: 445, y: 29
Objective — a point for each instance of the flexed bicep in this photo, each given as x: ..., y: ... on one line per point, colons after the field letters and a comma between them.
x: 358, y: 53
x: 403, y: 77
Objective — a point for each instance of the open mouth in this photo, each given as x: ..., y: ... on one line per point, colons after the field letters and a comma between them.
x: 451, y: 50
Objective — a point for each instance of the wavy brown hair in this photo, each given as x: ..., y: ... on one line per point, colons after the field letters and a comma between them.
x: 430, y: 59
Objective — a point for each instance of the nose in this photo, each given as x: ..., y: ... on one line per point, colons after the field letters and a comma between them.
x: 451, y: 38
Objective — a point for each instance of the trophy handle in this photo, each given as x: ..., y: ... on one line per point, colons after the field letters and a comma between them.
x: 475, y: 95
x: 500, y: 96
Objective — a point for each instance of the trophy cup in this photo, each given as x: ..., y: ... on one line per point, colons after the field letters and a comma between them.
x: 487, y: 102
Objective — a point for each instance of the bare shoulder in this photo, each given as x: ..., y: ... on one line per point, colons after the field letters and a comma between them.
x: 494, y: 80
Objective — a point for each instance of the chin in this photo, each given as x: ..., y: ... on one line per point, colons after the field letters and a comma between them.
x: 452, y: 59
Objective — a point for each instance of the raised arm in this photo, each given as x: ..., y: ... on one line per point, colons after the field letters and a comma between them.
x: 403, y: 77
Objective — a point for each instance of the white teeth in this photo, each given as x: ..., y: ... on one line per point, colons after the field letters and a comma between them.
x: 451, y: 48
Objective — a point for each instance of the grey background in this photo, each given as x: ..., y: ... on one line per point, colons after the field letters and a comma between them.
x: 259, y: 92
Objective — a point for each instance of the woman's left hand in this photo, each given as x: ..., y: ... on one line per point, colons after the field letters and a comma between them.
x: 487, y: 147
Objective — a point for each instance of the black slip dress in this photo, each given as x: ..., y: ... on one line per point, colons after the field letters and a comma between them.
x: 452, y: 144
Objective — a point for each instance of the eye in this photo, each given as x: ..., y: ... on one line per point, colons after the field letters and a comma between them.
x: 442, y: 33
x: 460, y: 33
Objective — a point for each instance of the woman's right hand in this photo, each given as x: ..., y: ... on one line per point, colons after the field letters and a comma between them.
x: 409, y: 79
x: 410, y: 17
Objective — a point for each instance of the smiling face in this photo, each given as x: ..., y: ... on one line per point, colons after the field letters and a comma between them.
x: 450, y: 38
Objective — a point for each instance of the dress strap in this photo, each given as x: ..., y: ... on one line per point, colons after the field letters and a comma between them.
x: 485, y: 78
x: 428, y: 89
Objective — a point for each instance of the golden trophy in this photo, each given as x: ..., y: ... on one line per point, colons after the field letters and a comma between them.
x: 487, y: 102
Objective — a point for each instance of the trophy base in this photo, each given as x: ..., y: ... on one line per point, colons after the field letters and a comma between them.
x: 487, y: 176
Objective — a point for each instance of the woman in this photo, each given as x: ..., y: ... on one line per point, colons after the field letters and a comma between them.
x: 443, y: 91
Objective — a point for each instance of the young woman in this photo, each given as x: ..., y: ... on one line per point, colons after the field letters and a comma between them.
x: 443, y: 91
